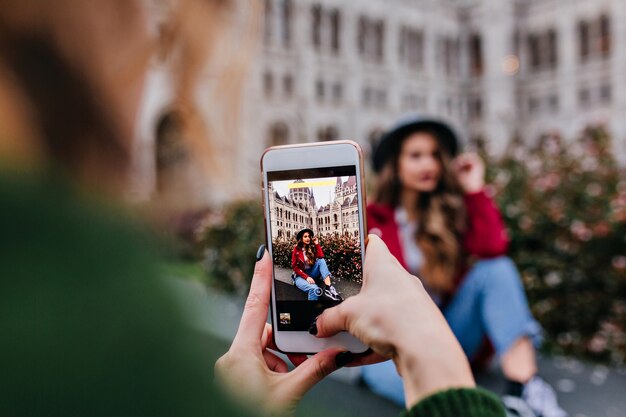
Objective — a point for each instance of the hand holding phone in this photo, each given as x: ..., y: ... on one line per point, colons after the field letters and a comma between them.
x: 424, y: 350
x: 252, y: 373
x: 406, y: 326
x: 470, y: 170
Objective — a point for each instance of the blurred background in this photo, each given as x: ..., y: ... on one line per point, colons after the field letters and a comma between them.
x: 321, y: 70
x: 537, y: 87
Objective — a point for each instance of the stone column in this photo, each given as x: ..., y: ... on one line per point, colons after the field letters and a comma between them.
x: 617, y: 16
x: 498, y: 87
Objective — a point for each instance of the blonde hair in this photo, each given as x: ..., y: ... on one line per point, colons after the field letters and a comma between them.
x: 442, y: 218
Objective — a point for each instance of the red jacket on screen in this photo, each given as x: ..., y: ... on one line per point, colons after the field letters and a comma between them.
x: 297, y: 260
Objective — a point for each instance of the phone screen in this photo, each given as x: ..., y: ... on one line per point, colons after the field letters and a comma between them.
x: 316, y: 241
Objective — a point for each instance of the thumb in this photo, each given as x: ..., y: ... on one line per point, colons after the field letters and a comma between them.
x: 376, y: 248
x: 377, y: 256
x: 333, y: 320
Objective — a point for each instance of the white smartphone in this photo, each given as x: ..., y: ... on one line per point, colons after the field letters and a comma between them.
x: 313, y: 197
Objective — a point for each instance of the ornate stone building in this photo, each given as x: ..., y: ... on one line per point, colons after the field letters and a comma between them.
x: 496, y: 69
x: 341, y: 215
x: 298, y: 210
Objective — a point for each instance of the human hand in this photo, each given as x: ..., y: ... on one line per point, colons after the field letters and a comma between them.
x: 406, y: 326
x: 470, y: 170
x: 316, y: 240
x: 310, y: 280
x: 252, y: 373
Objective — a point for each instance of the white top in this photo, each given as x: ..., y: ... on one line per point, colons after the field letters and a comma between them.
x: 412, y: 253
x: 413, y: 256
x: 306, y: 260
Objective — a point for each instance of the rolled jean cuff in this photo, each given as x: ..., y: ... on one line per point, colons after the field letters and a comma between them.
x: 531, y: 329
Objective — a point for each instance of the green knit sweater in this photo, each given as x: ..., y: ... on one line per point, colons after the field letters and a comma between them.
x: 89, y: 328
x: 464, y: 402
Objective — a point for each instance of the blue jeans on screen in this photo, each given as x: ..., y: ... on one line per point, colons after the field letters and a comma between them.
x: 318, y: 271
x: 312, y: 290
x: 490, y: 302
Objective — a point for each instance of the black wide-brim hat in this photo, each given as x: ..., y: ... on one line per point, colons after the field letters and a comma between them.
x: 301, y: 232
x: 390, y: 142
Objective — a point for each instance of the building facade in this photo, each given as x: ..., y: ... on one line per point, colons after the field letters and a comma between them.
x: 298, y: 210
x: 496, y: 69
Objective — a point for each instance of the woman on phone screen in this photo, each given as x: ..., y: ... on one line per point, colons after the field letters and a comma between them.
x: 432, y: 211
x: 309, y: 267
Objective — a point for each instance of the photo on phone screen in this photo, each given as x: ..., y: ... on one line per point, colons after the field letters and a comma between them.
x: 316, y: 241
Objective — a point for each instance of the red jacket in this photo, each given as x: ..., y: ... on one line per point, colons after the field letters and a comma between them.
x: 297, y: 260
x: 485, y: 237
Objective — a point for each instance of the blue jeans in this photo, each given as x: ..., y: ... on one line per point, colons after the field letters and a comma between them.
x: 318, y: 271
x: 490, y: 302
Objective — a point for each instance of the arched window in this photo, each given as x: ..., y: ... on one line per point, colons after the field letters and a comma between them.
x: 288, y: 234
x: 605, y: 35
x: 356, y: 233
x: 476, y: 55
x: 278, y: 134
x: 268, y: 21
x: 287, y: 11
x: 552, y: 48
x: 379, y: 30
x: 336, y: 219
x: 584, y: 46
x: 170, y: 148
x: 316, y: 25
x: 335, y: 30
x: 328, y: 133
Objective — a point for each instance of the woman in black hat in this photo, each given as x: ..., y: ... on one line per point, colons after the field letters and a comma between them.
x: 309, y: 267
x: 435, y: 217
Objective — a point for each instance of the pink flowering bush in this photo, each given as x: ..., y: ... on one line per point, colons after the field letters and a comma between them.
x: 230, y: 244
x: 342, y: 254
x: 564, y: 204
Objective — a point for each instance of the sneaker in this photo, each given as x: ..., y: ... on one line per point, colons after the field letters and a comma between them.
x: 517, y: 407
x: 541, y: 397
x: 328, y: 293
x: 334, y: 291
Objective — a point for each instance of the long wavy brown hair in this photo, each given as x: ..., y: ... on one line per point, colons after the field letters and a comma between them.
x: 308, y: 249
x: 441, y: 214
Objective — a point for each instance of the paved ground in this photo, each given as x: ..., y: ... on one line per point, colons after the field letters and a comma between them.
x: 290, y: 293
x: 585, y: 390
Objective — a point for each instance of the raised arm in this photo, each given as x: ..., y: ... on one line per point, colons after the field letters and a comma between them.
x: 486, y: 235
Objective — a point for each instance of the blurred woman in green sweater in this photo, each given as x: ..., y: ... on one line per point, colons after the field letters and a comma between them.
x: 88, y: 325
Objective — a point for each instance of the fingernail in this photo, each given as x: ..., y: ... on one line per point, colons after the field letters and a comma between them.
x: 313, y: 327
x: 260, y: 253
x: 343, y: 358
